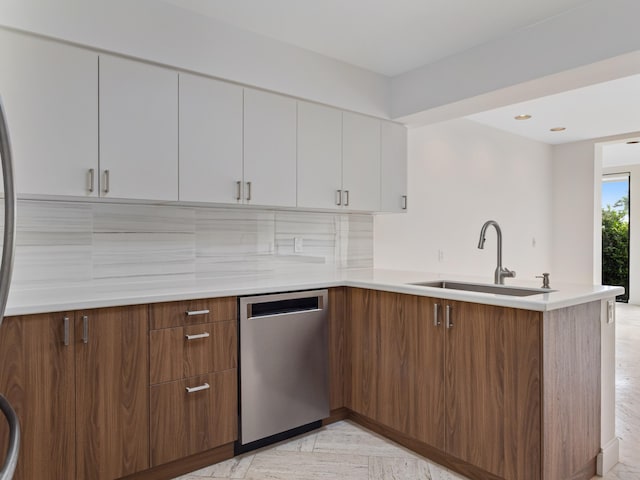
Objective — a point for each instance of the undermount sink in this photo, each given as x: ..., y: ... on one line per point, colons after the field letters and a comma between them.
x: 484, y: 288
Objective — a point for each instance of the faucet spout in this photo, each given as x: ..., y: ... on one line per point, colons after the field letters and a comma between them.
x: 500, y: 272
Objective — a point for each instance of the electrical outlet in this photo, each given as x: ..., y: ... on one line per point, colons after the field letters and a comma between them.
x: 297, y: 245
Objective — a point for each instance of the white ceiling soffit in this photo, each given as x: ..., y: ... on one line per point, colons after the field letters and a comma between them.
x: 600, y: 110
x: 384, y: 36
x: 621, y: 154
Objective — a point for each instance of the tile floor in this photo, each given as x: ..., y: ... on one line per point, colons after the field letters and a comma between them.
x: 345, y: 450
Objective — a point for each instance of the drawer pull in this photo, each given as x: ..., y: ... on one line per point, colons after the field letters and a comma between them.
x: 191, y: 313
x: 204, y: 386
x: 195, y: 337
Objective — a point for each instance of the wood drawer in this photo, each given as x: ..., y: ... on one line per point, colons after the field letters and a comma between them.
x: 174, y: 356
x: 183, y: 423
x: 192, y: 312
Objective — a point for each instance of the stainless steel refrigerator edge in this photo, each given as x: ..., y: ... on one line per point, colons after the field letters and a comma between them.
x: 6, y: 269
x: 284, y: 364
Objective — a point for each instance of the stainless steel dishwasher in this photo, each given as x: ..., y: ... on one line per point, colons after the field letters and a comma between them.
x: 284, y: 365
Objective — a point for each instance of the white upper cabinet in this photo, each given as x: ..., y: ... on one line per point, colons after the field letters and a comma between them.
x: 269, y: 149
x: 50, y: 94
x: 319, y: 156
x: 210, y: 140
x: 360, y: 162
x: 393, y: 165
x: 138, y: 130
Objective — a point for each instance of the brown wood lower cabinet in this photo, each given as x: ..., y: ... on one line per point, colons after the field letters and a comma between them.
x: 184, y: 423
x: 112, y: 409
x: 80, y: 391
x: 463, y: 383
x: 37, y: 377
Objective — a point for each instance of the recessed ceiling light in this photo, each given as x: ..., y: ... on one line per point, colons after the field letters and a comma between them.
x: 632, y: 142
x: 522, y: 117
x: 557, y: 129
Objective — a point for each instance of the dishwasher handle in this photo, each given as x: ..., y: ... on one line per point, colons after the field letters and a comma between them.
x: 285, y: 304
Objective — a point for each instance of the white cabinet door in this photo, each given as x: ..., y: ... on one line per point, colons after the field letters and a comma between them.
x: 361, y: 162
x: 269, y: 149
x: 319, y: 156
x: 210, y: 140
x: 138, y: 130
x: 50, y: 94
x: 393, y: 167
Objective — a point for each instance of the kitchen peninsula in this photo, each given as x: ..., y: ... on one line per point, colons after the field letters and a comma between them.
x: 492, y: 386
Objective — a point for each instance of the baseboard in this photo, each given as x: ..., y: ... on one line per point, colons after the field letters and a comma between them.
x: 609, y: 455
x: 336, y: 415
x: 185, y: 465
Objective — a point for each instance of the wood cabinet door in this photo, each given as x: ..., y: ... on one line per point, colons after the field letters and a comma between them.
x: 112, y: 401
x: 493, y: 392
x: 37, y: 377
x: 184, y: 423
x: 210, y: 140
x: 319, y: 156
x: 269, y: 149
x: 50, y: 94
x: 411, y: 366
x: 363, y: 334
x: 138, y: 130
x: 361, y: 162
x: 475, y: 385
x: 393, y: 167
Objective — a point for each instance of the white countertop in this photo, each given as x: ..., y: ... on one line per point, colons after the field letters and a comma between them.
x: 108, y: 294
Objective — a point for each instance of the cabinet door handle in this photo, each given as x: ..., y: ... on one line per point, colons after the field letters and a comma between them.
x: 447, y: 316
x: 346, y: 198
x: 204, y: 386
x: 92, y: 174
x: 85, y: 329
x: 66, y: 331
x: 248, y: 191
x: 106, y: 181
x: 195, y: 337
x: 436, y: 319
x: 238, y: 190
x: 338, y: 197
x: 191, y: 313
x: 404, y: 202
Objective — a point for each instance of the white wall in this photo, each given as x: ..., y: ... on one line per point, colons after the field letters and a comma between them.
x: 160, y: 32
x: 461, y: 174
x: 577, y: 211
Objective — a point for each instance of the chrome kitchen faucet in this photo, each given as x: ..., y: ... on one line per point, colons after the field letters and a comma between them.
x: 500, y: 273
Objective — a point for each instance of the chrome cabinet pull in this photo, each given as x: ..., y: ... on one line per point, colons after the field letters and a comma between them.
x: 238, y: 190
x: 91, y: 176
x: 204, y: 386
x: 436, y: 320
x: 197, y: 336
x: 346, y: 198
x: 66, y: 331
x: 248, y: 191
x: 338, y: 197
x: 190, y: 313
x: 85, y: 329
x: 404, y: 202
x: 447, y: 316
x: 106, y: 181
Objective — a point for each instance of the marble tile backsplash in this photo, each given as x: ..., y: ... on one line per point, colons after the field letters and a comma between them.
x: 73, y: 243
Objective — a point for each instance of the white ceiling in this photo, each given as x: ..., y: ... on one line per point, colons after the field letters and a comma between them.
x: 385, y: 36
x: 621, y: 154
x: 599, y: 110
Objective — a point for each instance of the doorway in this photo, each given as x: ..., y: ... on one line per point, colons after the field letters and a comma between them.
x: 616, y: 231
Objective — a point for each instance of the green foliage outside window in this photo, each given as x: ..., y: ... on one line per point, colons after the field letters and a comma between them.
x: 615, y: 246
